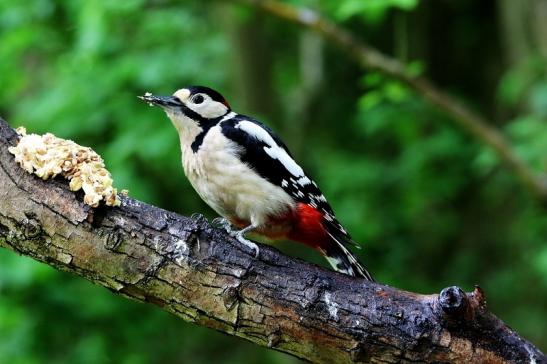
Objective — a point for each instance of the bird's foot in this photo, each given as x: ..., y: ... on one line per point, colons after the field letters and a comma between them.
x: 221, y: 222
x: 239, y: 235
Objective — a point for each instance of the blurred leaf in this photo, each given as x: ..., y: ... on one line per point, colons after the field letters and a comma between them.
x: 538, y: 100
x: 373, y: 10
x: 416, y: 68
x: 516, y: 81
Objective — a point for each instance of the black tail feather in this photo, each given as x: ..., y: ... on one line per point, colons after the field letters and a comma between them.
x: 342, y: 260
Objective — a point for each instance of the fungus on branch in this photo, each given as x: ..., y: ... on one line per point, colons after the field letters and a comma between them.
x: 48, y: 156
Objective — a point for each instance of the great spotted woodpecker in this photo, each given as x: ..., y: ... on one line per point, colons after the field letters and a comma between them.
x: 244, y: 171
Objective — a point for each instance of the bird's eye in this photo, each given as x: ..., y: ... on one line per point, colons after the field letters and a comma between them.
x: 198, y: 99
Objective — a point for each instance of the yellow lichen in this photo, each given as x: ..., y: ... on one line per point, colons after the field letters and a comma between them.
x: 48, y: 156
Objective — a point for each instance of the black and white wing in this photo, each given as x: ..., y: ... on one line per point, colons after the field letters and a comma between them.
x: 266, y: 153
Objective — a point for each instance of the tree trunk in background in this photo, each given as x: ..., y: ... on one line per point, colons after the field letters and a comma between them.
x: 311, y: 63
x: 539, y: 25
x: 524, y: 34
x: 253, y: 57
x: 515, y: 21
x: 524, y: 29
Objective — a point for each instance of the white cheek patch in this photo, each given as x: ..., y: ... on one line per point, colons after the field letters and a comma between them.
x: 182, y: 94
x: 209, y: 109
x: 273, y: 150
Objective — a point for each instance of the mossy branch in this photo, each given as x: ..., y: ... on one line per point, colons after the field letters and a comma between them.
x: 202, y: 275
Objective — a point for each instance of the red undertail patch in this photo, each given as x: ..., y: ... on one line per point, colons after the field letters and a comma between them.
x: 308, y: 227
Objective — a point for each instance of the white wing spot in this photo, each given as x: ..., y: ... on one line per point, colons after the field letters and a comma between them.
x: 303, y: 181
x: 284, y: 183
x: 273, y: 150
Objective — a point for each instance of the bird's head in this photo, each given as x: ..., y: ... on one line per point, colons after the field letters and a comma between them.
x: 191, y: 108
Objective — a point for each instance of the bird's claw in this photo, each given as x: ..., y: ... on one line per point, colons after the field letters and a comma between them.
x: 223, y: 223
x: 217, y: 221
x: 197, y: 216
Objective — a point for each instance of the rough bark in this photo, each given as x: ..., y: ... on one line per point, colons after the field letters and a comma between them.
x: 200, y: 274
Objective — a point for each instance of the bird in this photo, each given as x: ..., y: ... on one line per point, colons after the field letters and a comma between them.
x: 246, y: 174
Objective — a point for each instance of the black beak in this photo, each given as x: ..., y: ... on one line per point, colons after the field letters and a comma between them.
x: 165, y: 101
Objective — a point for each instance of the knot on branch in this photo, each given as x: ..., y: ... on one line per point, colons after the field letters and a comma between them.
x: 31, y: 227
x: 28, y: 228
x: 114, y: 239
x: 275, y: 338
x: 231, y: 297
x: 453, y: 301
x: 460, y: 306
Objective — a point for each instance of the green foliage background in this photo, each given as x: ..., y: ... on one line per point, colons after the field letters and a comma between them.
x: 431, y: 206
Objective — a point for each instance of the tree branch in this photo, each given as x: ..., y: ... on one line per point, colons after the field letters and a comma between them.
x: 202, y: 275
x: 370, y: 58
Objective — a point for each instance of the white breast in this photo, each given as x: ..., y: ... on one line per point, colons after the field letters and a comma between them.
x: 228, y: 185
